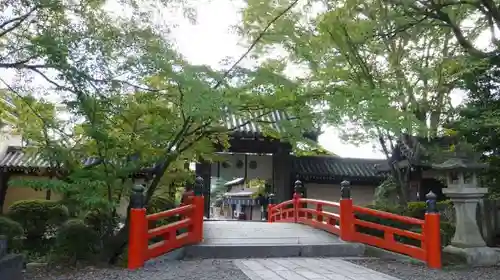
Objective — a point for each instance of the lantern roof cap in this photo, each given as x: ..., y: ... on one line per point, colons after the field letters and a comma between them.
x: 459, y: 163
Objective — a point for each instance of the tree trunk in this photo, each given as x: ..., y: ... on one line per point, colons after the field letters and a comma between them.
x: 401, y: 184
x: 115, y: 246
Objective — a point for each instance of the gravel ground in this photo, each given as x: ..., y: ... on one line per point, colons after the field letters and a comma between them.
x: 411, y: 271
x: 159, y: 270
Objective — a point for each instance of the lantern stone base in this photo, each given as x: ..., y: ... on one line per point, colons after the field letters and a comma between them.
x: 477, y: 256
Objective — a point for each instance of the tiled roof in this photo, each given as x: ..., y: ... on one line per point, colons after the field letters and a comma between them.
x: 336, y: 167
x: 241, y: 127
x: 16, y: 158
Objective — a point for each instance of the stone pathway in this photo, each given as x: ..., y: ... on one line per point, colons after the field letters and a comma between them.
x: 307, y: 269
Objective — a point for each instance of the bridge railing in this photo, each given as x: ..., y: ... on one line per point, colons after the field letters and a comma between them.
x: 187, y: 230
x: 346, y: 224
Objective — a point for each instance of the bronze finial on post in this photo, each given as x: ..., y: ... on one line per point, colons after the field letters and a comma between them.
x: 345, y: 189
x: 199, y: 184
x: 137, y: 197
x: 431, y: 203
x: 270, y: 199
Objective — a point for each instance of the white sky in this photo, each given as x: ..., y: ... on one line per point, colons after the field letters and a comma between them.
x: 211, y: 40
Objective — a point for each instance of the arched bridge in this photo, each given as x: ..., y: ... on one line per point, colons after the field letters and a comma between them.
x: 297, y: 227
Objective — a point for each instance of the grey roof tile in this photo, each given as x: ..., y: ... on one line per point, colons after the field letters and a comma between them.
x: 241, y: 127
x: 16, y: 158
x: 328, y: 166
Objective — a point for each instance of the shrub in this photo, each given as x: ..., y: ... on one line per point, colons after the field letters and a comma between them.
x: 103, y: 222
x: 39, y: 219
x: 74, y: 206
x: 415, y: 210
x: 382, y: 221
x: 13, y: 231
x: 74, y: 242
x: 447, y: 232
x: 159, y: 203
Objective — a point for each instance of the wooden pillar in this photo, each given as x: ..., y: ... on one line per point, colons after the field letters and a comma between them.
x: 282, y: 175
x: 4, y: 185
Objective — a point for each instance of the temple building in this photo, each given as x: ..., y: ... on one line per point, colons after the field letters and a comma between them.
x: 252, y: 155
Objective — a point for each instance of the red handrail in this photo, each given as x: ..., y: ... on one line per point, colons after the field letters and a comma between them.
x: 139, y: 234
x: 344, y: 225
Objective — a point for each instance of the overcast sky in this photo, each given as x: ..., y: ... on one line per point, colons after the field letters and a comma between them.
x: 211, y: 40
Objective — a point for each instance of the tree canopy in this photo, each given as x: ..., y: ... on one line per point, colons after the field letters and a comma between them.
x: 102, y: 96
x: 98, y: 89
x: 385, y: 67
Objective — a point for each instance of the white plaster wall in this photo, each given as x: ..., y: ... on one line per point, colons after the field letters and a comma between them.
x: 7, y: 139
x: 228, y: 214
x: 263, y: 171
x: 362, y: 195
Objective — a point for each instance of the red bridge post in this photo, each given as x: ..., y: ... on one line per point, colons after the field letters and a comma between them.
x: 198, y: 202
x: 296, y: 206
x: 346, y: 212
x: 298, y: 194
x: 432, y: 232
x: 138, y: 229
x: 270, y: 205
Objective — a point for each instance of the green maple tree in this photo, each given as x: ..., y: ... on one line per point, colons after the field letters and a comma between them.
x: 129, y: 101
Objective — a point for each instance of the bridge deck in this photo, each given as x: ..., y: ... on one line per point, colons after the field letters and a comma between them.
x: 240, y: 239
x: 262, y: 233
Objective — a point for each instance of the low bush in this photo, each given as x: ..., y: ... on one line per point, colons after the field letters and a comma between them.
x: 103, y: 222
x: 14, y: 233
x: 159, y: 203
x: 415, y: 210
x: 39, y: 219
x: 75, y: 241
x: 447, y: 232
x: 72, y: 204
x: 382, y: 221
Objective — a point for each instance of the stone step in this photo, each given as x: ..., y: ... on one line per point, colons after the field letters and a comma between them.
x: 3, y: 246
x: 11, y: 267
x: 241, y: 239
x: 241, y: 251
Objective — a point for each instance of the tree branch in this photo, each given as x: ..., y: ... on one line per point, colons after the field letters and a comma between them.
x: 17, y: 21
x: 254, y: 43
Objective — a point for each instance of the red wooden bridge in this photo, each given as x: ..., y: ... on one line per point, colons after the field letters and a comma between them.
x: 338, y: 218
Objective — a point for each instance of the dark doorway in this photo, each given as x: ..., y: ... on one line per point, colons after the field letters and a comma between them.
x: 434, y: 185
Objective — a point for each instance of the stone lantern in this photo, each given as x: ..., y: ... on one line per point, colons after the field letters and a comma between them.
x: 463, y: 190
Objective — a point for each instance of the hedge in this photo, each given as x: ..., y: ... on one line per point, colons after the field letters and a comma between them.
x: 75, y: 241
x: 13, y: 231
x: 413, y: 209
x: 39, y: 219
